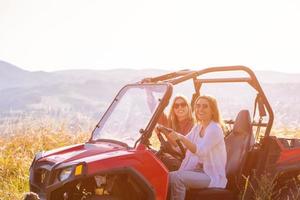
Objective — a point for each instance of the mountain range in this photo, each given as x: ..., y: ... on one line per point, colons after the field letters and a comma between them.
x: 89, y: 92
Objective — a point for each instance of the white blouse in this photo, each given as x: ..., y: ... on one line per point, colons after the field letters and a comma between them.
x: 211, y: 152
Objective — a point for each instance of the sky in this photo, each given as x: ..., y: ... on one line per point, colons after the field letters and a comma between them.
x: 51, y: 35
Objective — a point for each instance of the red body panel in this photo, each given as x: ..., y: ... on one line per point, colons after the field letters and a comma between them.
x: 107, y: 156
x: 289, y: 155
x: 142, y: 161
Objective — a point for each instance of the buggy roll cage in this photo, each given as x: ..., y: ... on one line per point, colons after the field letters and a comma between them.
x: 261, y: 101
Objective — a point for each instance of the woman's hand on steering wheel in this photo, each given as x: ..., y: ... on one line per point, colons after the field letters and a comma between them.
x: 166, y: 146
x: 162, y: 129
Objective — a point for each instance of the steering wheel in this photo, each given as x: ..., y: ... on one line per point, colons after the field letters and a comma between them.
x: 166, y: 147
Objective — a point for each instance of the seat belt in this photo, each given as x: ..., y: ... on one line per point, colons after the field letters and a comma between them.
x: 262, y: 112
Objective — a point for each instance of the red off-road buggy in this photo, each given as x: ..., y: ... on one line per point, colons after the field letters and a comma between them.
x: 120, y: 161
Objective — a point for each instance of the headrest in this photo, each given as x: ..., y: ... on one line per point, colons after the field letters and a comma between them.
x: 242, y: 123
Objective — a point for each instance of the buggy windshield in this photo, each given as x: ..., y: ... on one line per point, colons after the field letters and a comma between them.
x: 130, y: 112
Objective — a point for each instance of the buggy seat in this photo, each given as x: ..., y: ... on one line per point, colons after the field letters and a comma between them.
x: 238, y: 142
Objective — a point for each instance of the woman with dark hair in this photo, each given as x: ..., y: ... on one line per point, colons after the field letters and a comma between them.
x: 205, y: 160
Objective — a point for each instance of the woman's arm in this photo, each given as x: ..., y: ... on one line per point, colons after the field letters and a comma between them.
x: 172, y: 136
x: 187, y: 143
x: 212, y: 137
x: 152, y: 104
x: 169, y: 133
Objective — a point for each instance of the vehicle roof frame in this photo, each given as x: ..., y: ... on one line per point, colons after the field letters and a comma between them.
x: 175, y: 78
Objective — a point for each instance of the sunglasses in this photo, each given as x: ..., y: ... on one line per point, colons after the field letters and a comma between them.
x: 182, y: 105
x: 199, y: 105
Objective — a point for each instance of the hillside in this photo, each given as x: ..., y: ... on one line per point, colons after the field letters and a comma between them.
x: 70, y: 93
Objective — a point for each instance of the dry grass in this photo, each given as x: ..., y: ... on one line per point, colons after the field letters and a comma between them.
x: 287, y: 132
x: 17, y: 152
x: 266, y: 187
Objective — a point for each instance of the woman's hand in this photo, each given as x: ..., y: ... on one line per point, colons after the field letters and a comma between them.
x: 162, y: 129
x: 173, y: 139
x: 172, y: 136
x: 168, y: 132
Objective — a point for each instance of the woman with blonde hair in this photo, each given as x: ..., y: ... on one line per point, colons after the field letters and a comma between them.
x: 205, y: 160
x: 180, y: 117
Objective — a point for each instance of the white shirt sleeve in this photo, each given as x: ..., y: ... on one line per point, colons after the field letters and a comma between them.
x: 213, y: 136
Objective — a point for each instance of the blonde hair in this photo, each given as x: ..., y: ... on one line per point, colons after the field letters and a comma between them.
x: 172, y: 119
x: 216, y: 115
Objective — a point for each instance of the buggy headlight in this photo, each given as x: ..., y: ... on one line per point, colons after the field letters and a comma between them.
x: 65, y: 173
